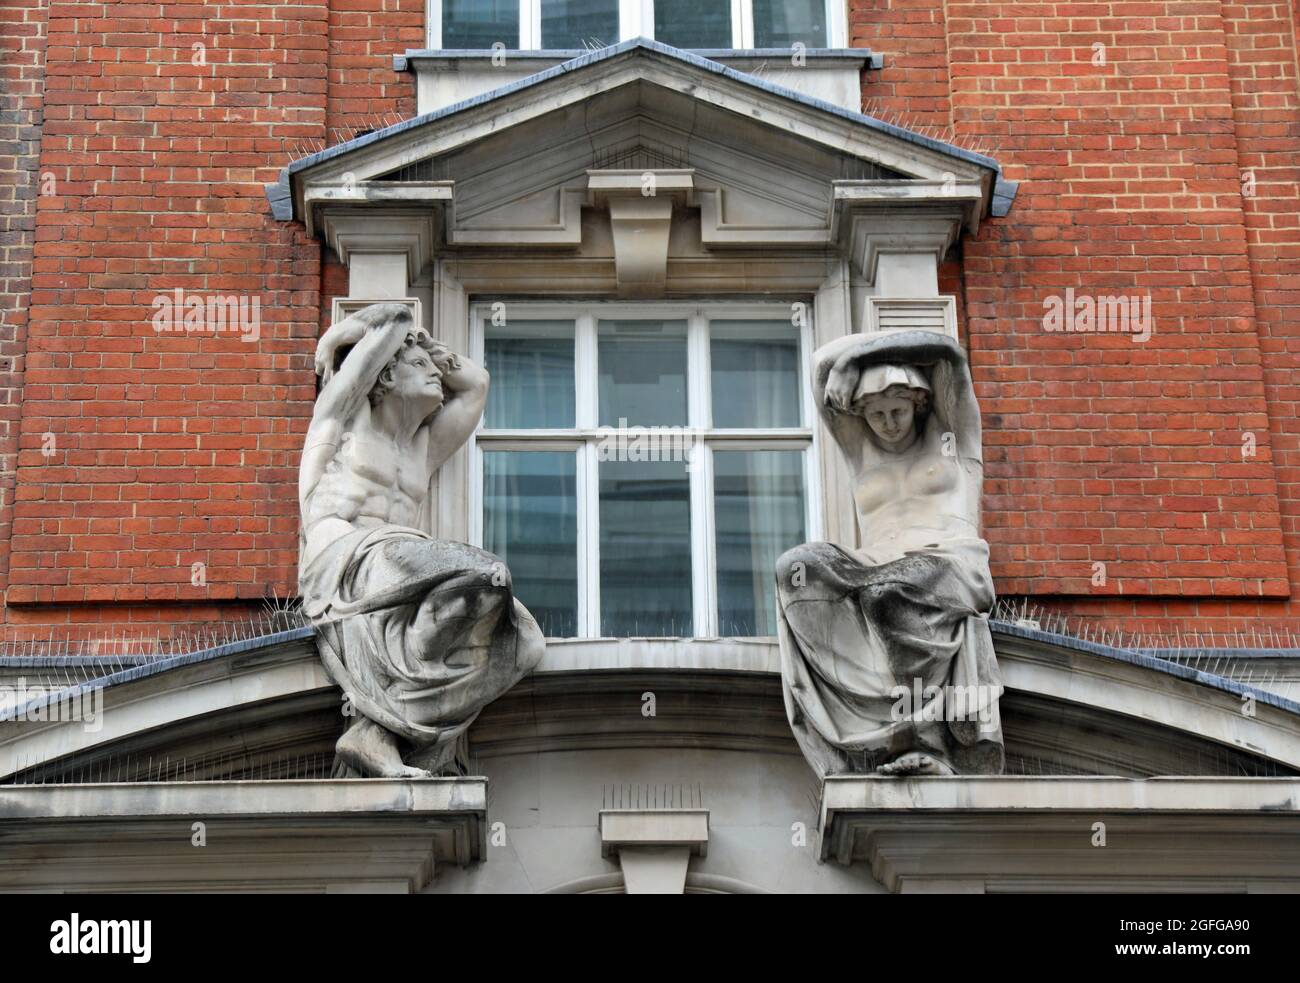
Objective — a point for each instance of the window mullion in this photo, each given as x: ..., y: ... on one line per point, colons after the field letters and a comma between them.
x: 812, y: 484
x: 703, y: 553
x: 586, y: 382
x: 476, y: 495
x: 588, y: 542
x: 836, y: 24
x: 700, y: 471
x: 477, y: 347
x: 585, y: 368
x: 530, y: 25
x: 742, y: 23
x: 631, y: 21
x: 699, y: 411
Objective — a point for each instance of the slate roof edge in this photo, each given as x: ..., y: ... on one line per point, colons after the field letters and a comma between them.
x: 1137, y: 657
x: 280, y: 196
x: 403, y: 62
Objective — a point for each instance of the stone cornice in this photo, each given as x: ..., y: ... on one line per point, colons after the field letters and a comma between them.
x: 980, y: 834
x: 365, y: 834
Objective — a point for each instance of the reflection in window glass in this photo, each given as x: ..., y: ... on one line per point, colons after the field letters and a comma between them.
x: 642, y: 373
x: 530, y: 520
x: 755, y: 368
x: 693, y: 23
x: 780, y: 23
x: 531, y: 364
x: 579, y: 24
x: 758, y: 515
x: 480, y: 23
x: 645, y: 549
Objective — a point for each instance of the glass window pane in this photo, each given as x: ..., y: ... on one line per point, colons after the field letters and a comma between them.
x: 780, y: 23
x: 645, y: 549
x: 578, y: 24
x: 531, y: 364
x: 642, y: 373
x: 693, y: 23
x: 480, y: 23
x: 530, y: 520
x: 758, y: 515
x: 756, y: 377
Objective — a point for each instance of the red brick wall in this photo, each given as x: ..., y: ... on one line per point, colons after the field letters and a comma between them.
x: 1101, y: 450
x: 172, y: 450
x: 162, y: 121
x: 364, y: 92
x: 22, y: 75
x: 1265, y: 88
x: 912, y: 88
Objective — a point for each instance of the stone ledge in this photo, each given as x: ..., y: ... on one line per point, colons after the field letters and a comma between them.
x: 327, y: 835
x: 446, y: 59
x: 993, y: 834
x: 654, y: 846
x: 624, y: 829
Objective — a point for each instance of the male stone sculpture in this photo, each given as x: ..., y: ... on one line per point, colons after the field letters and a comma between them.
x: 419, y: 633
x: 887, y: 660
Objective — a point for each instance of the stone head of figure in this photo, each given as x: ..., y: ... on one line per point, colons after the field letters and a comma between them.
x: 414, y: 375
x: 893, y: 399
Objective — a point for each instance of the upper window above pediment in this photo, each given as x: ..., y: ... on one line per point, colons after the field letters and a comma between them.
x: 576, y: 25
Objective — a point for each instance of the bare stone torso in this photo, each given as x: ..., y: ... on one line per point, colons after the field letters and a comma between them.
x: 913, y: 500
x: 369, y: 481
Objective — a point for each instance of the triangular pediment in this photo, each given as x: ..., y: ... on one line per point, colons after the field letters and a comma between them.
x: 769, y: 165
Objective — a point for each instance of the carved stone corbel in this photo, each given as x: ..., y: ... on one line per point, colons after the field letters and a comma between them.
x: 395, y: 243
x: 640, y: 205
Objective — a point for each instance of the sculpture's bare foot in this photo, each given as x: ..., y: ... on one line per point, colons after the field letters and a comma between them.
x: 915, y: 763
x: 371, y: 750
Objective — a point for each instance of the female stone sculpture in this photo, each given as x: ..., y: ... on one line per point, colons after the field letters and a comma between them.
x: 887, y: 660
x: 420, y: 634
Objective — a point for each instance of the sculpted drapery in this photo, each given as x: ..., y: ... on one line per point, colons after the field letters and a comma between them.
x: 419, y: 633
x: 887, y: 660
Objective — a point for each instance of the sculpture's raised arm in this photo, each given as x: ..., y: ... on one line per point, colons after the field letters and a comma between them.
x: 466, y: 386
x: 838, y: 366
x: 376, y: 333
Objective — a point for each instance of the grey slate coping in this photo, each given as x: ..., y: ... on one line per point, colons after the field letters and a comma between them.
x: 149, y: 666
x: 403, y: 62
x: 1004, y: 193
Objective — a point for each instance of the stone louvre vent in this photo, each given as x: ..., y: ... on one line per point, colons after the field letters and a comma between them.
x: 920, y: 314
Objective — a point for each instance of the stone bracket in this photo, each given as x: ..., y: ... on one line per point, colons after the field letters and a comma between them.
x: 640, y: 205
x: 371, y: 835
x: 410, y: 233
x: 925, y: 232
x: 654, y: 846
x: 974, y: 834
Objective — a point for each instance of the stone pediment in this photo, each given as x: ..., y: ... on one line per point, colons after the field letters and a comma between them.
x: 768, y: 167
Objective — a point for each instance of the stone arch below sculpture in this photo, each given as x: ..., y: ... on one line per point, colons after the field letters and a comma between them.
x: 264, y: 707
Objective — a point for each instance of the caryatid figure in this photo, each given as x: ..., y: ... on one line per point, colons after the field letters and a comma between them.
x: 887, y: 660
x: 419, y: 633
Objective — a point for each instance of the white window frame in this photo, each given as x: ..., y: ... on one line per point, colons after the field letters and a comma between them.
x: 584, y: 437
x: 637, y: 19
